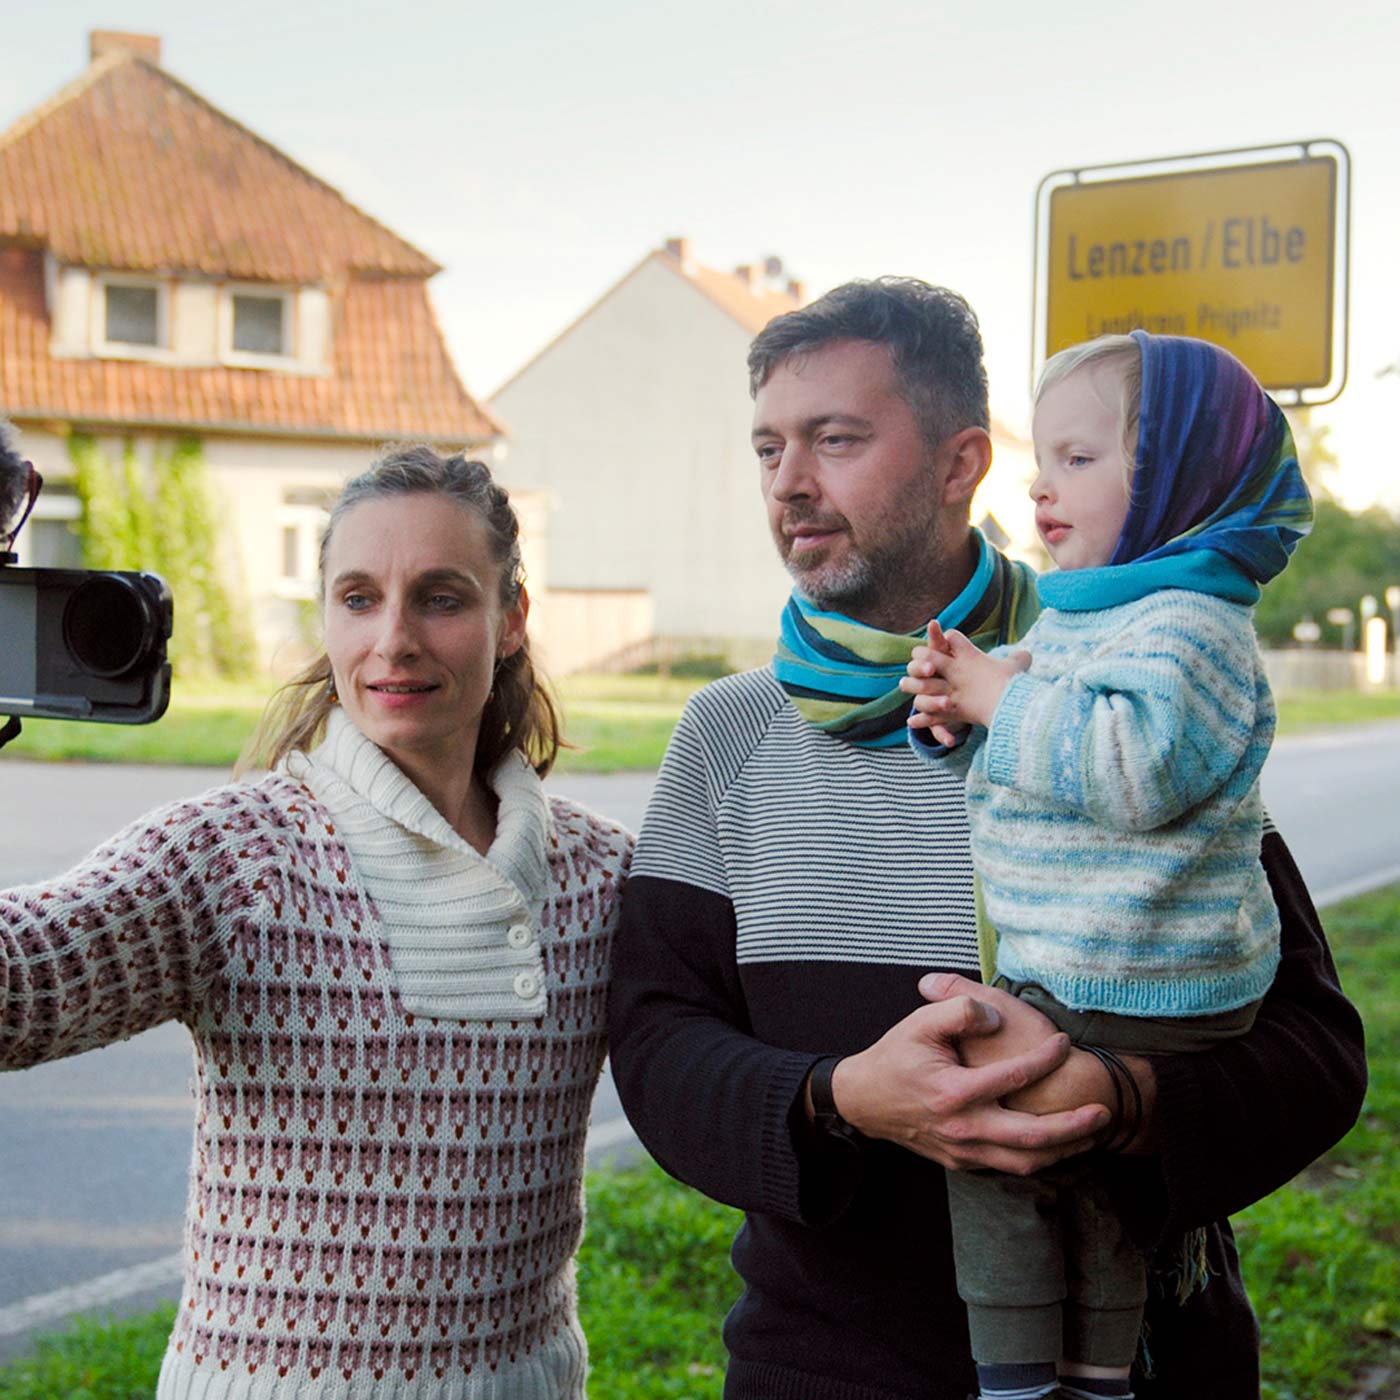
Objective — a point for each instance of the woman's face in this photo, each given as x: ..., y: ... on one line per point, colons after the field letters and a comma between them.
x: 414, y: 625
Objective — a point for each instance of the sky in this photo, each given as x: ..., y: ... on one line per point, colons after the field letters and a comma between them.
x: 539, y: 151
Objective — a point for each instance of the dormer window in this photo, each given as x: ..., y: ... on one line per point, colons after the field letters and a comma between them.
x: 131, y: 315
x: 188, y: 322
x: 260, y: 325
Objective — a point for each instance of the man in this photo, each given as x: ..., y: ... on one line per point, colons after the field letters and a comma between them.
x: 787, y: 1017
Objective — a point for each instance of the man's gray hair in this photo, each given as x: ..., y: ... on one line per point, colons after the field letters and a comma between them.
x: 931, y: 334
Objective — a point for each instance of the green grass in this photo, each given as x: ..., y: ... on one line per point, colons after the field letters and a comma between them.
x: 1319, y: 709
x: 1321, y: 1256
x: 654, y: 1283
x: 615, y: 723
x: 620, y: 722
x: 205, y: 726
x: 93, y: 1361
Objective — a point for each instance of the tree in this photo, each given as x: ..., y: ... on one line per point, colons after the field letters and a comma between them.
x: 162, y: 519
x: 1347, y: 556
x: 1316, y: 456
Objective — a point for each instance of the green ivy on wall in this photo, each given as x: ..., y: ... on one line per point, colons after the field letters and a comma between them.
x: 161, y: 518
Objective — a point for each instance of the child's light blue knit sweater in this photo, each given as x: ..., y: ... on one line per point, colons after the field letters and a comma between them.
x: 1115, y: 811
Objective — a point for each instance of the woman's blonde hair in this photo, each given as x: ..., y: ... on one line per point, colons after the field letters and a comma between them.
x: 1118, y: 351
x: 520, y: 713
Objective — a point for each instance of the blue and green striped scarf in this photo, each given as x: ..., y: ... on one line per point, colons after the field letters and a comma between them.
x: 843, y: 677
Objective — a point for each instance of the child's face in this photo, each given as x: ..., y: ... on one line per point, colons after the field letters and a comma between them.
x: 1081, y: 489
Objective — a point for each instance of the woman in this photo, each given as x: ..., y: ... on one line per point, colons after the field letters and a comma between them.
x: 391, y: 953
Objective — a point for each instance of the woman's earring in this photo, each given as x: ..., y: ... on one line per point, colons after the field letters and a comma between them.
x: 331, y: 696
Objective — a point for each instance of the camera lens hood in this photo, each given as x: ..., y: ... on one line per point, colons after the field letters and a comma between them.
x: 109, y: 625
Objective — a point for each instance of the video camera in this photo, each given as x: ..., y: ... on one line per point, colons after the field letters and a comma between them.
x: 76, y: 644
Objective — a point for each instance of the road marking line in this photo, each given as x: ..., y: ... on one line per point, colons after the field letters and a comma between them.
x: 95, y: 1293
x: 1351, y: 888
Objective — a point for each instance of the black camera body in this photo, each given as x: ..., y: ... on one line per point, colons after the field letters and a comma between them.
x: 84, y: 644
x: 81, y: 644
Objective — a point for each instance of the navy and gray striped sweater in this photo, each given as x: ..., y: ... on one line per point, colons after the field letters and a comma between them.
x: 778, y: 911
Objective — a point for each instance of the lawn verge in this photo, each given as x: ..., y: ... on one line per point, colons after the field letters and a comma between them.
x: 613, y: 724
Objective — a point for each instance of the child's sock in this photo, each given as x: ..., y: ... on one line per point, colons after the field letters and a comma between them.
x: 1096, y: 1387
x: 1016, y: 1380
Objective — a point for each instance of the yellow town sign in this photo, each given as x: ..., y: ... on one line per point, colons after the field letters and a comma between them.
x: 1246, y: 255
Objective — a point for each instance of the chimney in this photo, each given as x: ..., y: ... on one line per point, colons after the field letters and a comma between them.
x: 679, y: 249
x: 101, y: 42
x: 745, y: 273
x: 797, y: 291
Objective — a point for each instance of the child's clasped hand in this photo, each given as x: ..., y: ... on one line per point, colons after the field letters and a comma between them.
x: 956, y: 686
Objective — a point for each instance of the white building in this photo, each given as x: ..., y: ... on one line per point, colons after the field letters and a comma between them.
x: 635, y: 421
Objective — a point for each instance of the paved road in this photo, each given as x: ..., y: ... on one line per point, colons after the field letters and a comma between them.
x: 94, y: 1151
x: 1335, y: 796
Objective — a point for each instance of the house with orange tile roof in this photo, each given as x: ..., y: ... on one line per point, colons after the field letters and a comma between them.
x: 635, y: 420
x: 165, y: 273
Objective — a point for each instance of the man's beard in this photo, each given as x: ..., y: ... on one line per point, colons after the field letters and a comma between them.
x: 872, y: 580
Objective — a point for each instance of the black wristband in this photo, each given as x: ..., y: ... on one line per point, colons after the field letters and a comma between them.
x: 1125, y: 1126
x: 825, y: 1116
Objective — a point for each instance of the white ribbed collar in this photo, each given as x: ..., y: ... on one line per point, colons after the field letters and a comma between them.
x: 519, y: 851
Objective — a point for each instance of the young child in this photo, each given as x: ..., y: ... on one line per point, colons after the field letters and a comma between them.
x: 1113, y: 796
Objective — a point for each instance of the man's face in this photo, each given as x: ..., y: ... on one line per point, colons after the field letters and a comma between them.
x: 853, y: 491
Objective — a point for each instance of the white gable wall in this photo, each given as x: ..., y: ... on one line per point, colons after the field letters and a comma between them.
x: 636, y: 422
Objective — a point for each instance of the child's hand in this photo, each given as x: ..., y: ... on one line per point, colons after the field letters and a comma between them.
x: 949, y: 735
x: 955, y: 685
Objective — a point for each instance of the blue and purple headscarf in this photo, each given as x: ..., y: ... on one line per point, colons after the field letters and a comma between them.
x: 1218, y: 502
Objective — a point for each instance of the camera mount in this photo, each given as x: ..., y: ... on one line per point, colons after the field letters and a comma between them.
x: 15, y: 486
x: 18, y: 483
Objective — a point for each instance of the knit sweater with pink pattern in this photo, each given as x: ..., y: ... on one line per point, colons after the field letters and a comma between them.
x: 396, y: 1045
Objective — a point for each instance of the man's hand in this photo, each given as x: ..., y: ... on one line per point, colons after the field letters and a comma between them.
x: 1081, y: 1079
x: 955, y: 684
x: 911, y: 1087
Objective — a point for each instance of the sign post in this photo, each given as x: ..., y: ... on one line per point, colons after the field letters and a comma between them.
x: 1247, y: 249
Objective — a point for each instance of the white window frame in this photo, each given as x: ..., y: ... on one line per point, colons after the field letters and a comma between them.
x: 124, y: 349
x: 51, y: 508
x: 247, y: 359
x: 310, y: 523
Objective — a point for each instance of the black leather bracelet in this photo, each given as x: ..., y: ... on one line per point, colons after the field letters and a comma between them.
x: 1115, y: 1128
x: 825, y: 1116
x: 1126, y: 1125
